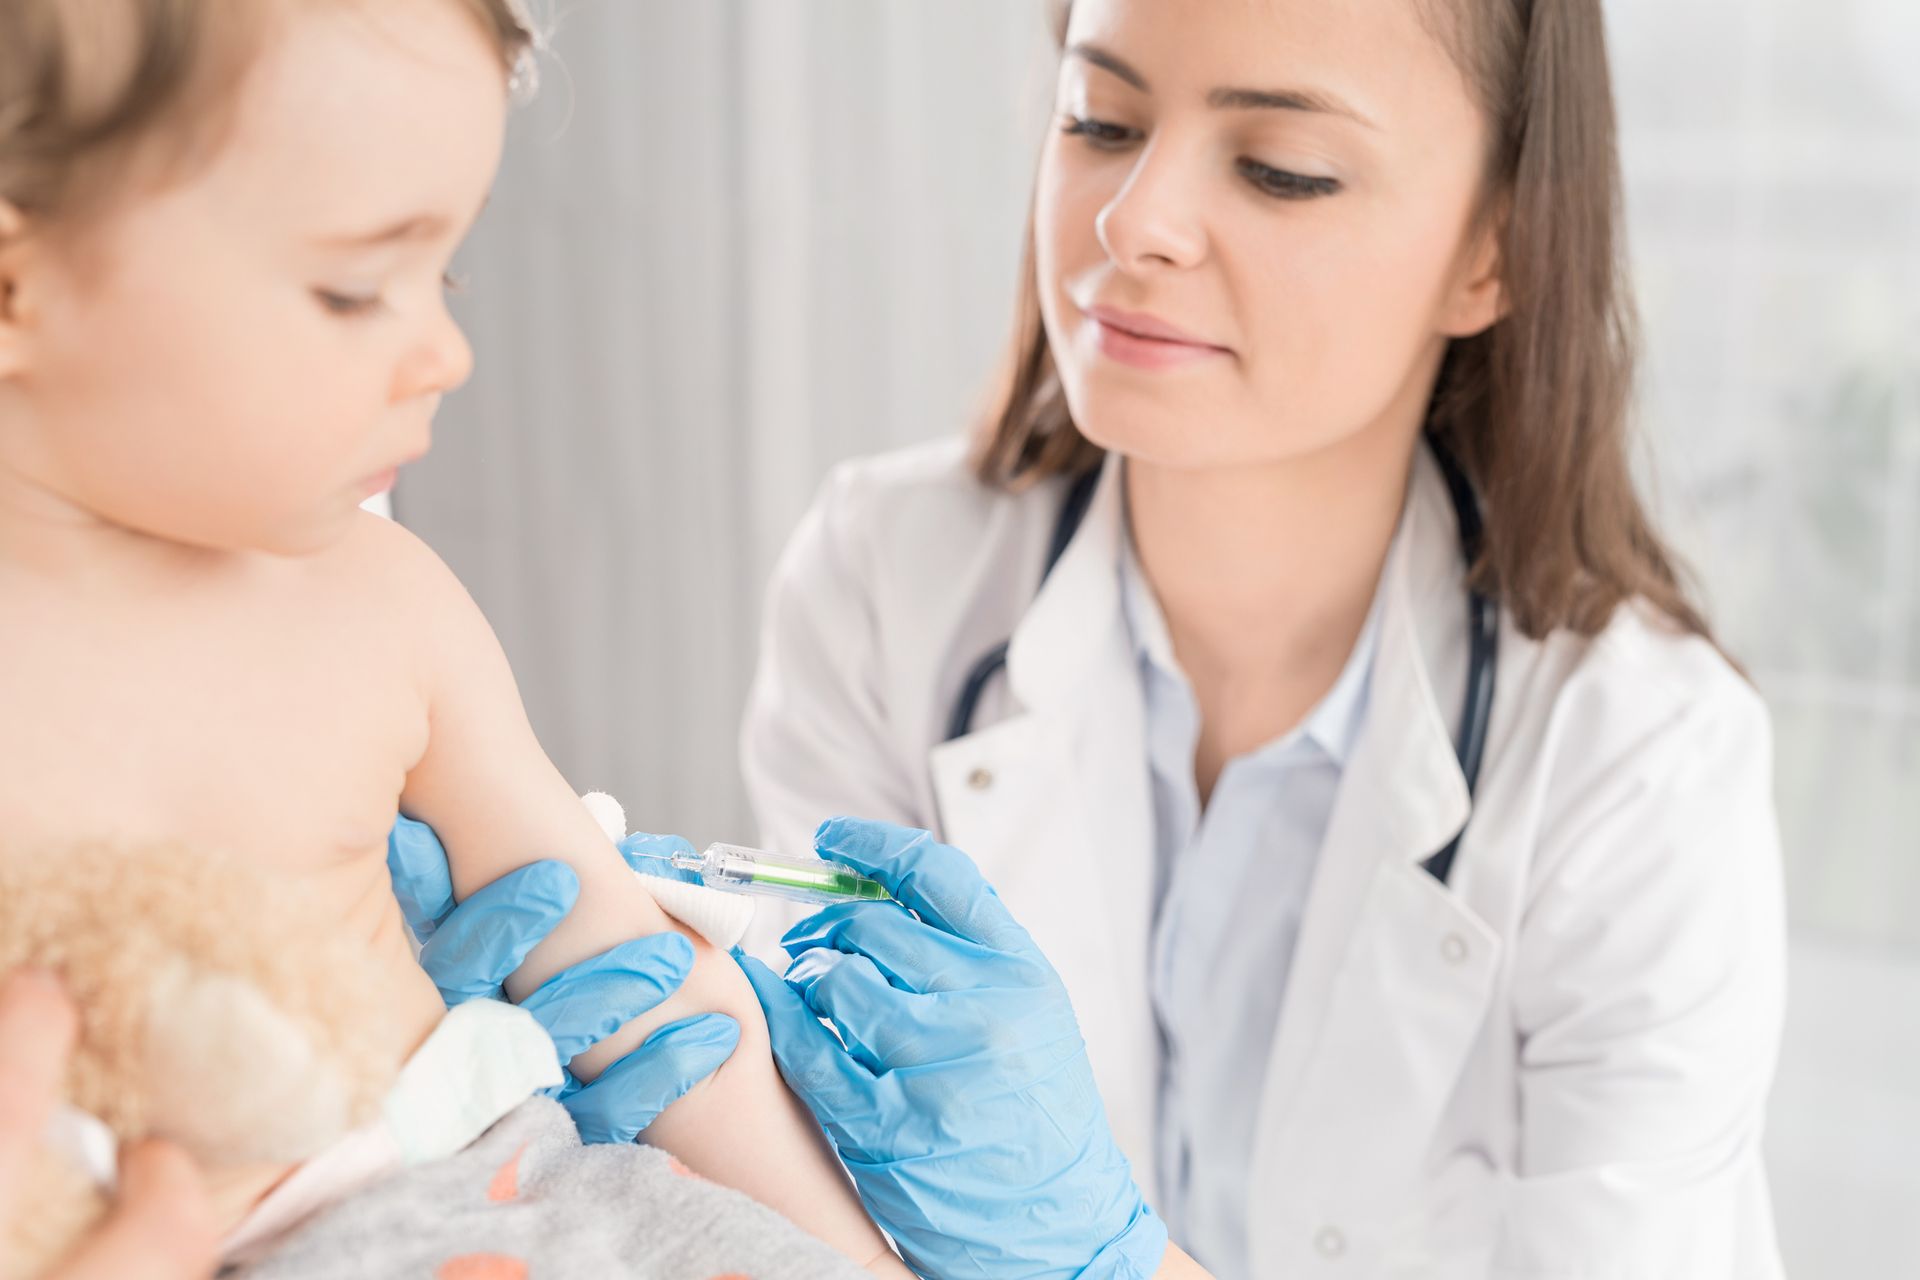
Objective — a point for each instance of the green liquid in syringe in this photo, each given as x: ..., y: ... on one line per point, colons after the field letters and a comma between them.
x: 840, y: 884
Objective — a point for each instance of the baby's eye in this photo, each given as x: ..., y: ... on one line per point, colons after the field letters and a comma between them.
x: 348, y: 304
x: 453, y: 283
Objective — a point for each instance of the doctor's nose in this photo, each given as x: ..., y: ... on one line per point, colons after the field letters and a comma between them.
x: 1154, y: 221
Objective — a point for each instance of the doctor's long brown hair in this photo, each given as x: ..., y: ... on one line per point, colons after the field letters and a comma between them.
x: 1536, y: 407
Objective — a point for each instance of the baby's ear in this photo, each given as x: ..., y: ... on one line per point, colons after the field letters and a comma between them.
x: 234, y: 1079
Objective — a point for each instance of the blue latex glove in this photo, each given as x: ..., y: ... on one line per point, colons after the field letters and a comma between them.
x: 469, y: 948
x: 648, y: 855
x: 962, y: 1102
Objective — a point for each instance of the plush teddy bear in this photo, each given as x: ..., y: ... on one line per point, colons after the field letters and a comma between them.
x: 213, y: 1013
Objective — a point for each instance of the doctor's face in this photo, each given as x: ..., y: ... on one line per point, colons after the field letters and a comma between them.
x: 1257, y: 224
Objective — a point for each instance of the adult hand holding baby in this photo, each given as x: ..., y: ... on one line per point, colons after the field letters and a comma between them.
x: 469, y: 948
x: 161, y: 1226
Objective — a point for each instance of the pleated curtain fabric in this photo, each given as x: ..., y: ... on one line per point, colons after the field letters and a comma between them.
x: 733, y: 242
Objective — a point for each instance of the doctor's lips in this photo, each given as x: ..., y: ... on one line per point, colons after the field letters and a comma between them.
x: 1146, y: 342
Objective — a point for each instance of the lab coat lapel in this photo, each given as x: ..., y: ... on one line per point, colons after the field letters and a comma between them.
x: 1392, y: 971
x: 1055, y: 800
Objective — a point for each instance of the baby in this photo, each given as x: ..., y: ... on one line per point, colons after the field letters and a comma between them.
x: 224, y: 229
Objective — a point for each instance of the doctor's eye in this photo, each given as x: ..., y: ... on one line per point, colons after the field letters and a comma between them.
x: 1099, y: 133
x: 1285, y: 185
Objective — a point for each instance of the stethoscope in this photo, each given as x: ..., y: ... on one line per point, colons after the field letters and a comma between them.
x: 1483, y: 633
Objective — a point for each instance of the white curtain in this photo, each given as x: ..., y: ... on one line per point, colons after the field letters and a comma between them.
x: 1773, y: 178
x: 733, y: 242
x: 738, y: 240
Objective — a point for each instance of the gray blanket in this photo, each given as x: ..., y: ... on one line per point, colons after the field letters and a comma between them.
x: 528, y: 1202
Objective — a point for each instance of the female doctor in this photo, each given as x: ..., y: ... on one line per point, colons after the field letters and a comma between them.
x: 1401, y: 839
x: 1293, y: 657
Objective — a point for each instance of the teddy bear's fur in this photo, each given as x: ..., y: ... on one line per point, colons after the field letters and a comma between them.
x: 214, y: 1012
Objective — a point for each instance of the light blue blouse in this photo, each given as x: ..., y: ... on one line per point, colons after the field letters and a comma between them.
x: 1231, y: 885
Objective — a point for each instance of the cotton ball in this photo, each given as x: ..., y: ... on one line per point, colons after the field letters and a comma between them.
x: 607, y: 812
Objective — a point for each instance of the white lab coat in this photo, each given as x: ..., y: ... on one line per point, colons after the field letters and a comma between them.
x: 1555, y: 1067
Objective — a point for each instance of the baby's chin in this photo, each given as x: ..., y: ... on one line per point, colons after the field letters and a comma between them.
x: 246, y: 533
x: 304, y: 539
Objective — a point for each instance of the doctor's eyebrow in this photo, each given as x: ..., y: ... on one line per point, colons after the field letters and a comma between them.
x: 1315, y: 101
x: 1094, y: 55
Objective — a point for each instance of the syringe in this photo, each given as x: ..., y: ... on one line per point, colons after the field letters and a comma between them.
x: 737, y: 869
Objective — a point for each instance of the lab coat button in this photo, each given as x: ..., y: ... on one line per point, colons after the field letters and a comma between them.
x: 980, y: 779
x: 1454, y: 949
x: 1330, y: 1242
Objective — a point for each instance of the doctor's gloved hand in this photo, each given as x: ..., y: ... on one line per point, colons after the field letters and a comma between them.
x: 469, y: 949
x: 963, y: 1103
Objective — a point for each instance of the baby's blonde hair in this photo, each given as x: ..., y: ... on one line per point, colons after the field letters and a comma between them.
x: 86, y: 85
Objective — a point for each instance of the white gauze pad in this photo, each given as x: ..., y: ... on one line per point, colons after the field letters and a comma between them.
x: 720, y: 918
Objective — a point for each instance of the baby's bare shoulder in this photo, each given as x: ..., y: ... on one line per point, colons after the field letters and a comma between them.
x: 383, y: 570
x: 392, y: 584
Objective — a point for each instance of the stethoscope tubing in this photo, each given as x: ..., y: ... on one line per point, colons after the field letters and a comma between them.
x: 1483, y: 634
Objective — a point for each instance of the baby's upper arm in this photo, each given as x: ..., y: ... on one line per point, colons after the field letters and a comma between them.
x: 498, y: 803
x: 484, y: 784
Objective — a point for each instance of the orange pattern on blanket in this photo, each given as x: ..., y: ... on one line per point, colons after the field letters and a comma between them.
x: 482, y: 1266
x: 506, y: 1180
